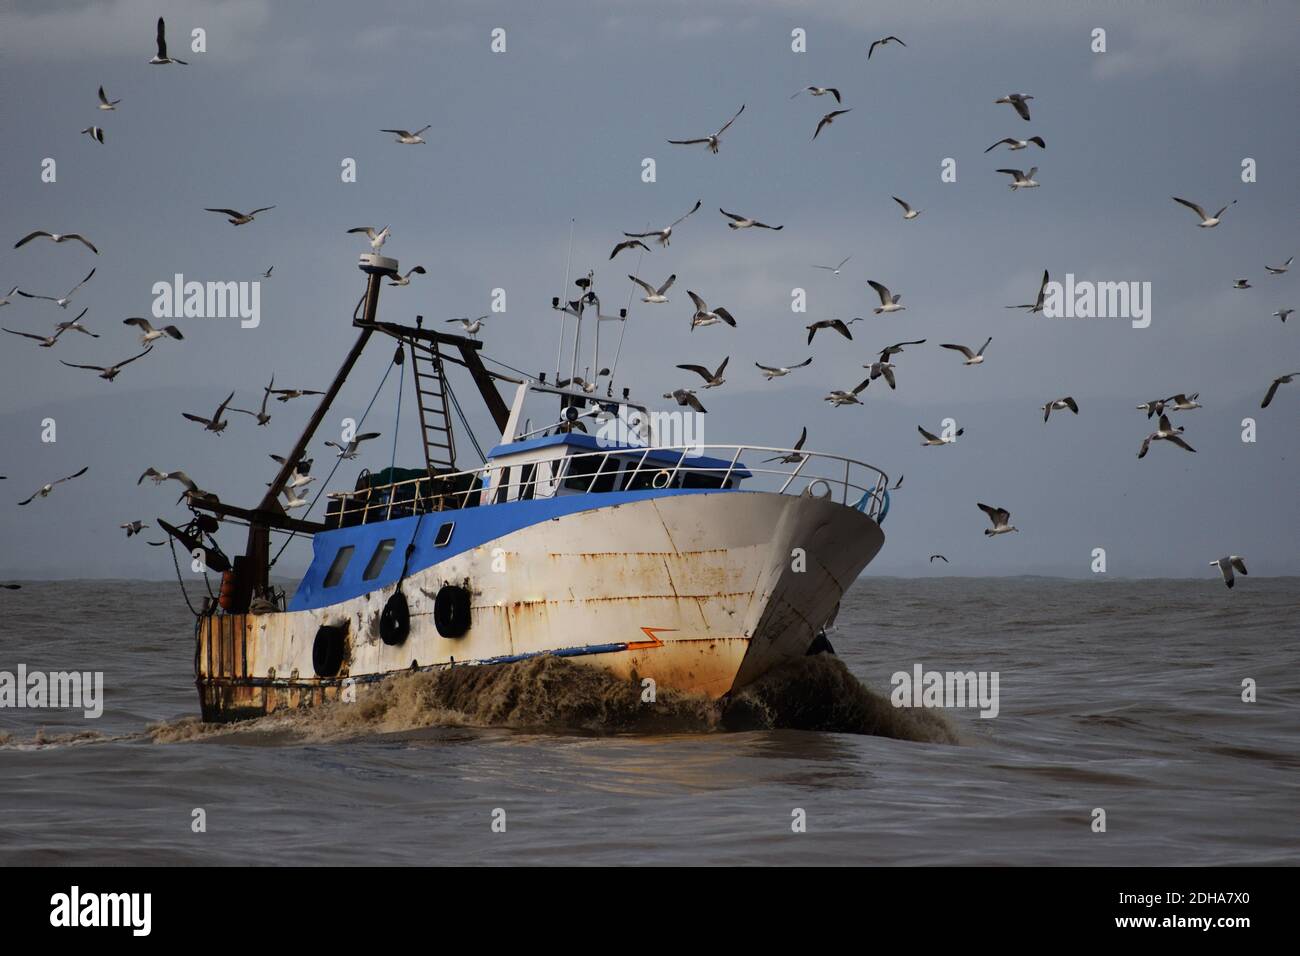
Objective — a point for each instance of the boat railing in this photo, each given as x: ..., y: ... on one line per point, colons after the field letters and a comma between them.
x: 781, y: 470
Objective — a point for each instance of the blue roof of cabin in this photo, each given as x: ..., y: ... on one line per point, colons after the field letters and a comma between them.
x: 589, y: 442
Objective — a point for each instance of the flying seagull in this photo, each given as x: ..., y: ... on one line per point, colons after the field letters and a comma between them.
x: 777, y: 371
x: 940, y: 557
x: 661, y: 235
x: 972, y: 358
x: 62, y: 301
x: 76, y: 326
x: 57, y: 237
x: 794, y: 456
x: 1207, y: 222
x: 262, y: 416
x: 883, y: 41
x: 1021, y: 179
x: 148, y: 333
x: 711, y: 141
x: 112, y: 371
x: 1182, y: 402
x: 285, y: 394
x: 1279, y: 270
x: 1242, y: 284
x: 105, y: 103
x: 842, y: 397
x: 929, y: 438
x: 1165, y: 432
x: 835, y: 270
x: 706, y: 316
x: 470, y: 326
x: 94, y: 132
x: 686, y: 397
x: 1226, y: 564
x: 828, y: 119
x: 267, y: 273
x: 4, y: 299
x: 819, y: 91
x: 46, y: 341
x: 1037, y: 305
x: 882, y: 368
x: 192, y: 490
x: 45, y: 490
x: 406, y: 279
x: 406, y: 137
x: 908, y: 212
x: 711, y: 379
x: 133, y: 527
x: 652, y: 295
x: 836, y: 324
x: 238, y: 218
x: 216, y: 423
x: 1283, y: 313
x: 1058, y: 404
x: 350, y: 449
x: 1272, y: 389
x: 377, y: 237
x: 888, y: 301
x: 1015, y: 144
x: 896, y: 348
x: 741, y: 222
x: 628, y: 244
x: 1000, y: 518
x: 1018, y: 100
x: 162, y: 59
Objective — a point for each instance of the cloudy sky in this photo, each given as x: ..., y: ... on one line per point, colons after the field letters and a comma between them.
x: 557, y: 127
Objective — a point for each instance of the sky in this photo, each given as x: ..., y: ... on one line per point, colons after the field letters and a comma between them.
x: 555, y: 130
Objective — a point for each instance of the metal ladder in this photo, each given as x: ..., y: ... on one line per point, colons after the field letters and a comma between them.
x: 431, y: 396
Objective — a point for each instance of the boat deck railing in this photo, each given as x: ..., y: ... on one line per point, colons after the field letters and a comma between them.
x: 780, y: 470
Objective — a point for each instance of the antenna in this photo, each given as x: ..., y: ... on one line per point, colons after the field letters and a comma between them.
x: 558, y: 303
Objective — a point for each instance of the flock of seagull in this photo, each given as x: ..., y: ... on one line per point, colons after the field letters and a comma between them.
x: 703, y: 315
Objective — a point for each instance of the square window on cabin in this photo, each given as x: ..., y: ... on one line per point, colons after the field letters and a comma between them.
x: 378, y: 559
x: 592, y: 473
x: 443, y: 537
x: 340, y: 564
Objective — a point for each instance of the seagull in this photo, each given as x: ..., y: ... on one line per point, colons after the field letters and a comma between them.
x: 1226, y: 564
x: 741, y: 222
x: 928, y: 438
x: 46, y: 489
x: 216, y: 423
x: 908, y: 212
x: 711, y: 379
x: 284, y: 394
x: 706, y: 316
x: 883, y: 41
x: 301, y: 472
x: 162, y: 59
x: 261, y: 415
x: 841, y: 397
x: 711, y: 141
x: 133, y: 527
x: 192, y: 490
x: 406, y: 137
x: 1183, y: 403
x: 888, y: 301
x: 267, y: 273
x: 628, y: 244
x: 1242, y: 284
x: 828, y: 119
x: 686, y: 396
x: 940, y: 557
x: 158, y: 477
x: 1283, y: 313
x: 1155, y: 407
x: 47, y: 342
x: 1015, y: 144
x: 61, y: 302
x: 652, y: 295
x: 836, y: 324
x: 291, y: 499
x: 662, y: 235
x: 1280, y: 380
x: 1165, y: 432
x: 377, y: 237
x: 999, y: 517
x: 794, y: 456
x: 835, y: 270
x: 238, y: 218
x: 898, y: 484
x: 406, y: 279
x: 96, y: 133
x: 819, y: 91
x: 4, y: 300
x: 896, y: 348
x: 1037, y: 305
x: 1021, y: 179
x: 470, y: 326
x: 148, y: 333
x: 1057, y: 405
x: 112, y: 371
x: 105, y: 103
x: 972, y: 358
x: 76, y: 326
x: 1279, y: 270
x: 1207, y: 222
x: 57, y: 237
x: 350, y: 449
x: 1019, y: 100
x: 882, y: 368
x: 770, y: 372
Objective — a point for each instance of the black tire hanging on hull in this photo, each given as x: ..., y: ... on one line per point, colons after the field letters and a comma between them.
x: 451, y: 610
x: 395, y: 620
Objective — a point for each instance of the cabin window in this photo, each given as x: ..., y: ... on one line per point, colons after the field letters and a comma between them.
x: 695, y: 479
x: 378, y: 559
x: 443, y: 537
x: 592, y: 473
x: 340, y: 564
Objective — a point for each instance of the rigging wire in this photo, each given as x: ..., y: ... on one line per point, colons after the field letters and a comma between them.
x: 613, y: 369
x: 455, y: 403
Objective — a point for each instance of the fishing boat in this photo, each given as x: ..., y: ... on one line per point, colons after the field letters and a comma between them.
x: 695, y: 567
